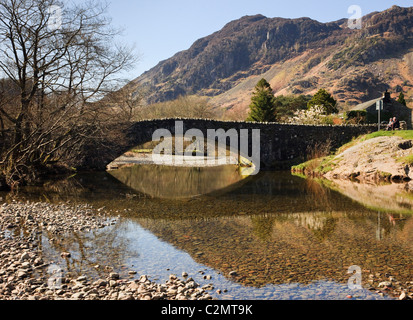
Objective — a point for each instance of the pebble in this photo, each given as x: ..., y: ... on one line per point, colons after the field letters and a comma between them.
x: 25, y: 256
x: 385, y: 284
x: 65, y: 255
x: 114, y: 276
x: 20, y: 258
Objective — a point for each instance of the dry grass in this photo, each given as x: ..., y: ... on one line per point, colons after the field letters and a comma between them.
x: 317, y: 156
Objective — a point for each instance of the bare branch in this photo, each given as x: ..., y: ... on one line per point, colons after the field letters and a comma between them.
x: 58, y: 76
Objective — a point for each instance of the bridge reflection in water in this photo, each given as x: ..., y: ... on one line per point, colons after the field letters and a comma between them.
x: 178, y: 182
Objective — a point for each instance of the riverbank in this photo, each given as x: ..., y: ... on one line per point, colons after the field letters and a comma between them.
x: 378, y: 157
x: 26, y: 275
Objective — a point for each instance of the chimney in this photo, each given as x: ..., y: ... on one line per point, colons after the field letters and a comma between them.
x: 387, y: 96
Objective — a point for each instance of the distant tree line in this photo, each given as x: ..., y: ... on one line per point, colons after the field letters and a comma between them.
x: 183, y: 107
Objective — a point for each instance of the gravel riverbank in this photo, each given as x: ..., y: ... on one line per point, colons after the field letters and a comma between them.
x: 24, y: 275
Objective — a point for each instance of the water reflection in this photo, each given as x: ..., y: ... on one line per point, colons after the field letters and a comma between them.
x: 277, y: 231
x: 177, y: 182
x: 394, y: 197
x: 296, y: 248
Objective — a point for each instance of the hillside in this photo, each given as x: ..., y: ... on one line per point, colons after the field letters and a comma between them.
x: 297, y: 56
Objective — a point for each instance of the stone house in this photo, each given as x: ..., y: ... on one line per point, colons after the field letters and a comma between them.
x: 391, y: 108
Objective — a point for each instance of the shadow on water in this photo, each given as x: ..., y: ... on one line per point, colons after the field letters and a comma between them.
x: 279, y: 233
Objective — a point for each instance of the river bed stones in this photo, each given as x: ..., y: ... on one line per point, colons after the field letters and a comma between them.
x: 24, y: 275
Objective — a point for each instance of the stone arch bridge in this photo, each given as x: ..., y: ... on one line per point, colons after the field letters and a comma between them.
x: 281, y: 145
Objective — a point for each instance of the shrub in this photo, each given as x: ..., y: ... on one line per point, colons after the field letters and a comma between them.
x: 324, y: 99
x: 356, y: 117
x: 313, y: 116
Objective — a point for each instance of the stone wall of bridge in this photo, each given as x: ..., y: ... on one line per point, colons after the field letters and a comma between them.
x: 281, y: 145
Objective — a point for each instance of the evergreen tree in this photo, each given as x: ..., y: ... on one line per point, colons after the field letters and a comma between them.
x: 263, y: 103
x: 401, y: 99
x: 324, y: 99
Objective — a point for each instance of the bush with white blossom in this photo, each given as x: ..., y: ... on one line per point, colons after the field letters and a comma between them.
x: 314, y: 116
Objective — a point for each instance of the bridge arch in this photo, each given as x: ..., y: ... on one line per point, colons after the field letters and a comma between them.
x: 281, y: 145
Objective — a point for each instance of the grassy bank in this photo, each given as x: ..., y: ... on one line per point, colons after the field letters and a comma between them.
x: 406, y: 134
x: 323, y: 165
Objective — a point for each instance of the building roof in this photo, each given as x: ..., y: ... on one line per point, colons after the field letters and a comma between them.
x: 388, y: 103
x: 366, y: 105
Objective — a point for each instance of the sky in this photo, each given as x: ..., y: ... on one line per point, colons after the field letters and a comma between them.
x: 158, y: 29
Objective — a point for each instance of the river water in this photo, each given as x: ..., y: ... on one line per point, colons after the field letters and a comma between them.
x: 268, y: 237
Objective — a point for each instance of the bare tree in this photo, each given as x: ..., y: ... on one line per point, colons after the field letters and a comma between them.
x: 183, y: 107
x: 59, y: 61
x: 126, y: 103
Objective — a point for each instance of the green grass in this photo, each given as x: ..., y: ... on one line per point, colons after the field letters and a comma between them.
x: 327, y: 164
x: 405, y: 134
x: 318, y: 166
x: 385, y: 175
x: 407, y: 160
x: 141, y: 151
x: 302, y: 166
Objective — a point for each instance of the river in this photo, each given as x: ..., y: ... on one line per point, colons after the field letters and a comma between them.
x: 273, y: 236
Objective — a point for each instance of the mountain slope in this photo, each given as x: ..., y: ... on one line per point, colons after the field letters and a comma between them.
x: 297, y: 56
